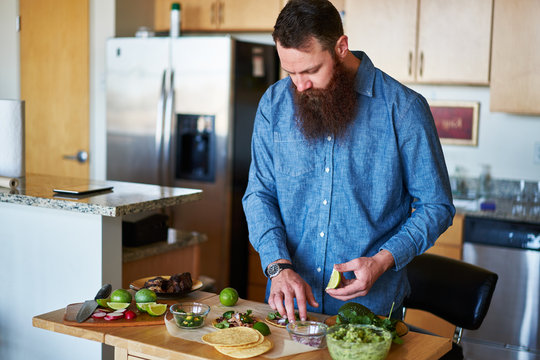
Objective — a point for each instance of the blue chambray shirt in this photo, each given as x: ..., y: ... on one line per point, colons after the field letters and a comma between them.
x: 333, y: 200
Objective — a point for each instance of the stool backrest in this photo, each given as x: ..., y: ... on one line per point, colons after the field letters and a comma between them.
x: 453, y: 290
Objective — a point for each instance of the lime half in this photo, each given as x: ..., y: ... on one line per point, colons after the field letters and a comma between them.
x: 117, y: 305
x: 103, y: 302
x: 335, y: 280
x: 144, y: 306
x: 156, y: 309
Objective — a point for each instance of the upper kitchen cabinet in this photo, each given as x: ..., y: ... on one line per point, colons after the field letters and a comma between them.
x: 435, y: 41
x: 515, y: 79
x: 220, y: 15
x: 386, y: 31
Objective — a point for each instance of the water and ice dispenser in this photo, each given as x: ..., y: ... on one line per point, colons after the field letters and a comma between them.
x: 195, y: 147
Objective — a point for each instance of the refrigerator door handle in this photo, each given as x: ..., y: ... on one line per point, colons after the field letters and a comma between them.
x: 159, y: 126
x: 167, y: 132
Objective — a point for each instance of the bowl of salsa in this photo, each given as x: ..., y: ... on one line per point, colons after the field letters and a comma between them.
x: 189, y: 315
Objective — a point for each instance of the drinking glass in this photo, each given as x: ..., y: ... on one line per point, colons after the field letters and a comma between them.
x: 535, y: 204
x: 518, y: 205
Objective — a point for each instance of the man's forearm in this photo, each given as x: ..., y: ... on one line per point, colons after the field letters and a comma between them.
x: 385, y: 259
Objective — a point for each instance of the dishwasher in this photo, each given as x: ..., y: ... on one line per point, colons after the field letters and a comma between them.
x: 511, y: 250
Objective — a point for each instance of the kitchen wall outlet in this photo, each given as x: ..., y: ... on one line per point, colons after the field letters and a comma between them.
x: 537, y: 153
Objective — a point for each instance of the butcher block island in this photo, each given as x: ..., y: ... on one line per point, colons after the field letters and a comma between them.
x: 166, y: 341
x: 59, y: 249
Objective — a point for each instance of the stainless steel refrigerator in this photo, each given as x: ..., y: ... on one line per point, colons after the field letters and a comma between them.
x: 180, y: 113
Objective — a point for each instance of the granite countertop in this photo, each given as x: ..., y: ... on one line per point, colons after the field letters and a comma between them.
x: 125, y: 198
x: 503, y: 210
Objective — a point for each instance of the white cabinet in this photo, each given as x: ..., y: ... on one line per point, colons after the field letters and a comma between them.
x: 435, y: 41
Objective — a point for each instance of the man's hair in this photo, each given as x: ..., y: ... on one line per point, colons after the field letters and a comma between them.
x: 300, y: 20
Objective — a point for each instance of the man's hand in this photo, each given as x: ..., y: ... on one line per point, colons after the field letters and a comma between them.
x: 287, y: 286
x: 366, y: 271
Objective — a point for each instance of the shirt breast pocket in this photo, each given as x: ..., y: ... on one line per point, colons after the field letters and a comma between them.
x: 293, y: 157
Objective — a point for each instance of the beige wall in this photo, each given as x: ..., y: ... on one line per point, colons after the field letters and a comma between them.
x: 132, y: 14
x: 10, y: 87
x: 102, y: 20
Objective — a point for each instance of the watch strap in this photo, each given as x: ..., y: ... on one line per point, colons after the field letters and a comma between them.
x: 281, y: 267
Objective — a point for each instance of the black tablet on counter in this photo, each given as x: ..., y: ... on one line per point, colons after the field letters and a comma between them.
x: 82, y: 189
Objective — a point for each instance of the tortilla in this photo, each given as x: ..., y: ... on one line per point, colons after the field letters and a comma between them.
x: 234, y: 323
x: 245, y: 352
x: 275, y: 322
x: 261, y: 339
x: 235, y: 336
x: 214, y: 323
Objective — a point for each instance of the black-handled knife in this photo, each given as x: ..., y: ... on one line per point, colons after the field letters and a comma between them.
x: 90, y: 306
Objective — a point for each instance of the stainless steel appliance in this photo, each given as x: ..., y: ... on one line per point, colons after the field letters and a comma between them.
x: 512, y: 250
x: 180, y: 113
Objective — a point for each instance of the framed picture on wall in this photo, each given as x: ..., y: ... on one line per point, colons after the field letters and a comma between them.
x: 456, y: 121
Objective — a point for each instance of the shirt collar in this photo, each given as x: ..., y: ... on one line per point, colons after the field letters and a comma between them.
x: 365, y: 76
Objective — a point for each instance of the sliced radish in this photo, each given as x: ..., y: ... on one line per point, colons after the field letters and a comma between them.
x: 114, y: 316
x: 99, y: 315
x: 120, y: 310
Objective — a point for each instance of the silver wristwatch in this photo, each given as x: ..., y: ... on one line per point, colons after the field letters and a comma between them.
x: 275, y: 268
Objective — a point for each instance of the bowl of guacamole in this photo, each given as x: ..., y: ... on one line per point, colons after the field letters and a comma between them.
x: 358, y: 342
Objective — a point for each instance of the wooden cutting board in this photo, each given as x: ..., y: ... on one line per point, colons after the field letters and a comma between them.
x: 141, y: 319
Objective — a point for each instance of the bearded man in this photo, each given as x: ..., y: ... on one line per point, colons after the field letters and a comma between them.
x: 341, y: 155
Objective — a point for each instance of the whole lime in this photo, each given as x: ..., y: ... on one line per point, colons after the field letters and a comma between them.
x: 262, y: 328
x: 228, y: 296
x: 121, y: 296
x: 145, y: 296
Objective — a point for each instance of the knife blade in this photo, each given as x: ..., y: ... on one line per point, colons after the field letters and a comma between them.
x: 89, y: 306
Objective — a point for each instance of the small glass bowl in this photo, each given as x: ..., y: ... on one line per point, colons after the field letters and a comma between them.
x: 189, y: 315
x: 311, y: 333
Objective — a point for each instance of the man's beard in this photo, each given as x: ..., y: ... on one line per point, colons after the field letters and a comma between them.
x: 323, y: 112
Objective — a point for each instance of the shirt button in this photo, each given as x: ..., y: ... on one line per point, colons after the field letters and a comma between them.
x: 327, y: 169
x: 325, y: 202
x: 329, y: 138
x: 321, y: 234
x: 319, y: 269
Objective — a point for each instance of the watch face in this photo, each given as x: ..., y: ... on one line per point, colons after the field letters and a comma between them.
x: 273, y: 270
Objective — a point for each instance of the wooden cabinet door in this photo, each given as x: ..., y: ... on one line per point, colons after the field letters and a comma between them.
x: 259, y: 15
x: 436, y: 41
x: 199, y: 15
x: 515, y: 79
x: 454, y: 41
x: 386, y: 31
x: 220, y: 15
x: 54, y: 54
x: 196, y: 15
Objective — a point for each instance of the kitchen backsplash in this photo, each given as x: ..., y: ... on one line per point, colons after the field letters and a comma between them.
x: 467, y: 187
